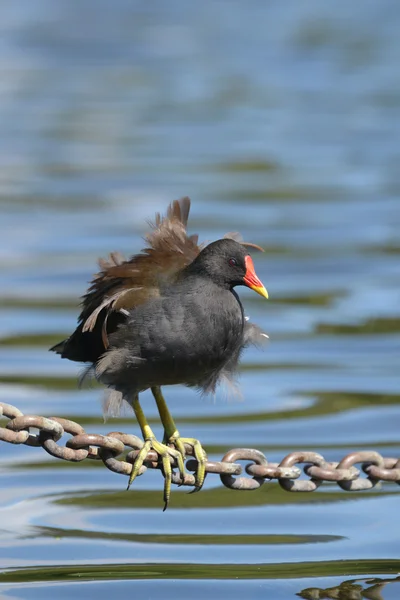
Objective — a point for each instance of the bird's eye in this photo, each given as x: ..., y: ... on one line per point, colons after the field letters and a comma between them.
x: 233, y: 262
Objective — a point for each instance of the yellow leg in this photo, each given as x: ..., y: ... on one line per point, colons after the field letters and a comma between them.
x: 164, y: 451
x: 172, y: 436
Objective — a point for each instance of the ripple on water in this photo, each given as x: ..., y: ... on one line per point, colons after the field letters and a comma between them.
x: 291, y: 138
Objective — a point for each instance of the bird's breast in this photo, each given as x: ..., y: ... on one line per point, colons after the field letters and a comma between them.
x: 182, y: 340
x: 203, y: 335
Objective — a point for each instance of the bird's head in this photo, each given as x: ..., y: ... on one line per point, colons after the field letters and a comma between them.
x: 228, y: 263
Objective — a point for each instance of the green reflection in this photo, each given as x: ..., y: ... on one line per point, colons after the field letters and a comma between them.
x: 34, y: 339
x: 68, y: 203
x: 322, y: 299
x: 270, y: 494
x: 245, y: 166
x: 281, y: 193
x: 26, y: 302
x: 368, y: 327
x: 200, y: 571
x: 386, y: 248
x: 325, y: 403
x: 185, y: 539
x: 52, y: 383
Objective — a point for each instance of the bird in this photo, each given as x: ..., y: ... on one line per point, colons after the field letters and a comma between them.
x: 168, y: 315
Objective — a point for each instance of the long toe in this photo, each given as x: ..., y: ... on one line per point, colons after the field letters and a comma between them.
x: 172, y: 455
x: 137, y: 465
x: 199, y: 454
x: 167, y: 456
x: 166, y: 453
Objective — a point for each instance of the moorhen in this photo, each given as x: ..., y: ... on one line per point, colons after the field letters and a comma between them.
x: 167, y: 315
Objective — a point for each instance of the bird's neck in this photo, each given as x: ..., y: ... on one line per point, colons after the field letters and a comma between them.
x: 199, y: 277
x: 201, y: 287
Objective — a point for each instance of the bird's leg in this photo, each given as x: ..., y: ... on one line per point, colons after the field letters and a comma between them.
x: 172, y: 436
x: 164, y: 451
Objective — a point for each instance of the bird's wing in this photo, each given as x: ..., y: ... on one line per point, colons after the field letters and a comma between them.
x: 121, y: 284
x: 124, y: 284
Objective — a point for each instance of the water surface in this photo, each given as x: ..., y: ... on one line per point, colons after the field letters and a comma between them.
x: 281, y: 121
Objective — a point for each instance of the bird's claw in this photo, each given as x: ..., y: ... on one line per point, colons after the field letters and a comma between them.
x: 165, y: 453
x: 199, y: 453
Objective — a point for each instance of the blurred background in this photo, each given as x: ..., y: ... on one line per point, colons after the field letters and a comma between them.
x: 280, y: 120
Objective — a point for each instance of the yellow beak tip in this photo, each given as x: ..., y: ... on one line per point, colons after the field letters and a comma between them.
x: 261, y: 290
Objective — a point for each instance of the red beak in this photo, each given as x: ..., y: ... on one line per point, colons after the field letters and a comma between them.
x: 251, y: 279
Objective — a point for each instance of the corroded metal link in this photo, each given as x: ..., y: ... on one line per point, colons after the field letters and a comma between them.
x: 12, y: 437
x: 25, y: 422
x: 390, y: 471
x: 217, y: 467
x: 243, y: 483
x: 273, y: 471
x: 118, y: 451
x: 364, y: 457
x: 58, y: 451
x: 92, y: 442
x: 9, y: 411
x: 302, y: 458
x: 331, y: 472
x: 121, y: 466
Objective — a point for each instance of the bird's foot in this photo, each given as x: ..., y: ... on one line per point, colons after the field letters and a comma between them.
x: 198, y: 451
x: 166, y: 453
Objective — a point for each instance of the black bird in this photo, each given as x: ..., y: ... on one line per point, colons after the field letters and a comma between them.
x: 168, y: 315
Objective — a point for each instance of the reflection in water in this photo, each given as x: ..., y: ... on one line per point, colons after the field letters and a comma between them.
x: 89, y: 572
x: 355, y: 589
x: 280, y: 120
x: 188, y: 539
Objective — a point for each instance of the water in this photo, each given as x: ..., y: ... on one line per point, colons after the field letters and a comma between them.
x: 280, y: 120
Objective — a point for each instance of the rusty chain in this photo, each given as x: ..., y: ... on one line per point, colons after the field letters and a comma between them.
x: 111, y: 449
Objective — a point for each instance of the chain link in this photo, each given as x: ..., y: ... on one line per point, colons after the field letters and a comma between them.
x: 118, y: 452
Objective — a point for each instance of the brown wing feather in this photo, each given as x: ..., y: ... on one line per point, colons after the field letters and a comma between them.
x: 122, y: 284
x: 126, y: 284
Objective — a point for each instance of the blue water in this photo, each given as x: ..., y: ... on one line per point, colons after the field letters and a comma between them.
x: 280, y: 120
